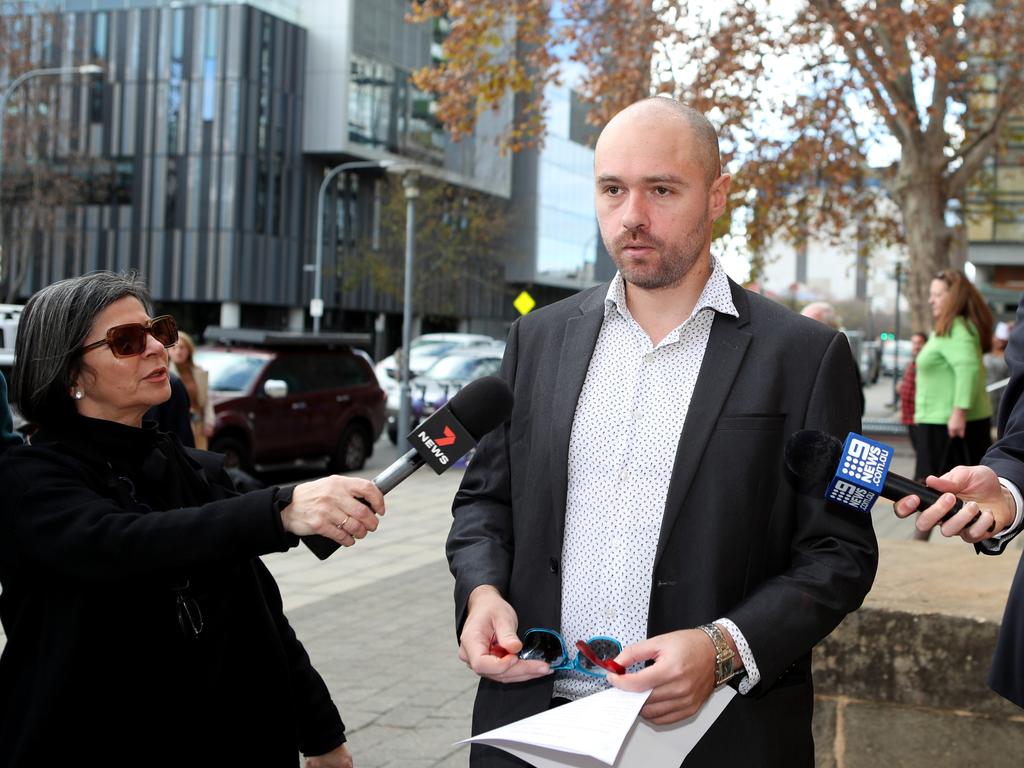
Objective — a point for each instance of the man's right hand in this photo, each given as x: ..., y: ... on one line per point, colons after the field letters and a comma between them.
x: 492, y: 622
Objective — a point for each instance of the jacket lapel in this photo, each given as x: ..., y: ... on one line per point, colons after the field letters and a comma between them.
x: 581, y: 332
x: 726, y: 348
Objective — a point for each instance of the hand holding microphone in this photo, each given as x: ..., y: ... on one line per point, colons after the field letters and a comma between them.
x: 440, y: 441
x: 856, y: 473
x: 989, y: 507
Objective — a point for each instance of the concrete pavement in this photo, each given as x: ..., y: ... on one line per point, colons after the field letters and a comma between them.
x: 378, y: 622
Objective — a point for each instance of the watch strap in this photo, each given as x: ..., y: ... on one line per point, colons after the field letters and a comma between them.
x: 725, y: 658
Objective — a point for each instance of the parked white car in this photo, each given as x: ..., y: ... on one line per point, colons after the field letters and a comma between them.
x: 427, y: 350
x: 435, y: 386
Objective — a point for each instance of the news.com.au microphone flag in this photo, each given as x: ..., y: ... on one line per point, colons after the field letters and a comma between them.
x: 854, y: 473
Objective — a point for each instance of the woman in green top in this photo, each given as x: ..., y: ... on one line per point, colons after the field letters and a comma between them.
x: 951, y: 408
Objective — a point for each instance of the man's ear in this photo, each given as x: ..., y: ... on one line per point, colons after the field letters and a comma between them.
x: 718, y: 195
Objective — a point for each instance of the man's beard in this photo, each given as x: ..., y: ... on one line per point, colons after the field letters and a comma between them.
x: 673, y: 262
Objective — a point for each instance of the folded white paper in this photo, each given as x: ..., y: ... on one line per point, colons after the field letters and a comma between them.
x: 604, y: 730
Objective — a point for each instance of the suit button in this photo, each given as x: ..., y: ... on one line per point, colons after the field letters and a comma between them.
x: 553, y: 565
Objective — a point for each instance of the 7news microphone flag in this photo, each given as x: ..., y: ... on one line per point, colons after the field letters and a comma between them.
x: 441, y: 440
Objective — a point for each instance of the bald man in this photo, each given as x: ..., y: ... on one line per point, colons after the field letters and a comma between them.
x: 825, y: 313
x: 637, y: 491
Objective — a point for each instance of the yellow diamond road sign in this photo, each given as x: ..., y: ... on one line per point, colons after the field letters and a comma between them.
x: 524, y: 303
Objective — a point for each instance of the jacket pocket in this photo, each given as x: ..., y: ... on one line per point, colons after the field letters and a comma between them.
x: 752, y: 421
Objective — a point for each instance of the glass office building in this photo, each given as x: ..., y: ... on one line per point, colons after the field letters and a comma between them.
x: 200, y: 150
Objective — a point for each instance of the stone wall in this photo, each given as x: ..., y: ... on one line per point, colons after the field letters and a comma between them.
x: 901, y: 682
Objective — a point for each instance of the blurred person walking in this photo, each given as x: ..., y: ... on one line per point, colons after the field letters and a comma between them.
x: 197, y: 382
x: 996, y: 368
x: 8, y: 436
x: 951, y: 408
x: 825, y: 313
x: 142, y: 628
x: 992, y: 515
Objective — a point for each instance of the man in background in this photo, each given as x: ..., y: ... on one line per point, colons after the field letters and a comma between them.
x: 825, y: 313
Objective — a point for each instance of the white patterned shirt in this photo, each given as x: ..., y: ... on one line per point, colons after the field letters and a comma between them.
x: 625, y: 432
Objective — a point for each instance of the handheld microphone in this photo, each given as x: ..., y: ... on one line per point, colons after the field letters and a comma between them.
x: 854, y: 473
x: 441, y: 440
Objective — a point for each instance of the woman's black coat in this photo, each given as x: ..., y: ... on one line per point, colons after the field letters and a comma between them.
x: 116, y: 546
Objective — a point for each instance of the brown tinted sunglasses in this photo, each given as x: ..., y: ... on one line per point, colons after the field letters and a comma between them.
x: 130, y: 339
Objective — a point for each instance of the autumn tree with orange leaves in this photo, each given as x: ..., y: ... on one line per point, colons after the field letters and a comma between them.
x: 935, y: 80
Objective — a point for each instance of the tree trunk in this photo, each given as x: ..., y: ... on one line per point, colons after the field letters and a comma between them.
x: 922, y: 202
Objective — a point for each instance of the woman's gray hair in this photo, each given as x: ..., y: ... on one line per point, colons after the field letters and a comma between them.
x: 51, y: 331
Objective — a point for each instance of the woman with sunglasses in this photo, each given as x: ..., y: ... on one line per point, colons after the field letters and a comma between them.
x: 142, y: 629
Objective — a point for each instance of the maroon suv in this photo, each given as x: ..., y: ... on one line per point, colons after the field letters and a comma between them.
x: 284, y: 397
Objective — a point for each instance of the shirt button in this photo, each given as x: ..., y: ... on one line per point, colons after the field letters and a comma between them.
x: 553, y: 565
x: 637, y: 415
x: 649, y: 357
x: 624, y: 476
x: 610, y: 612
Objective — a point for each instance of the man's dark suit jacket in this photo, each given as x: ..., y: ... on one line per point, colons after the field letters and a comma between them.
x: 736, y: 539
x: 1006, y: 457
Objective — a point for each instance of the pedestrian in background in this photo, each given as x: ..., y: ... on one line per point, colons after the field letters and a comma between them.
x: 8, y: 436
x: 992, y: 515
x: 142, y: 627
x: 825, y: 313
x: 907, y: 389
x: 197, y: 382
x: 996, y: 369
x: 951, y: 408
x: 174, y: 415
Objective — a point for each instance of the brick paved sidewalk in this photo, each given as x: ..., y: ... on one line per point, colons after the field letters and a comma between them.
x: 388, y: 654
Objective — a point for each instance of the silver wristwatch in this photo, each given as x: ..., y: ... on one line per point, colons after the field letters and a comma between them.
x: 725, y: 667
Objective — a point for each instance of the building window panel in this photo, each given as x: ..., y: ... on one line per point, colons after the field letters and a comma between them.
x: 210, y: 64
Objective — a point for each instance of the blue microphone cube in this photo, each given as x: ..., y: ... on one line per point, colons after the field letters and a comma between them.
x: 861, y: 473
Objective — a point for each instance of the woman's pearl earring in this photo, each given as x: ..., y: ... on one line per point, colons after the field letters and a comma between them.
x: 79, y: 394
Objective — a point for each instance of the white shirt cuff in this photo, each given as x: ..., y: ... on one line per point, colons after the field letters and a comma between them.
x: 1015, y: 493
x: 751, y: 675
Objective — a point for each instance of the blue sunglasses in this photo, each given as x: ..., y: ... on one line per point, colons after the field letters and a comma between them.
x: 596, y: 655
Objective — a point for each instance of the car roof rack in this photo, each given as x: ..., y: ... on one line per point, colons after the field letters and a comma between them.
x: 259, y: 337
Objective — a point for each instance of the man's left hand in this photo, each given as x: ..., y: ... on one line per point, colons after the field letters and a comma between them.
x: 682, y: 675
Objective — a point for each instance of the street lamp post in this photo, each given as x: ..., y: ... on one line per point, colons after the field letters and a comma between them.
x: 410, y: 183
x: 84, y: 69
x: 896, y: 335
x: 316, y: 304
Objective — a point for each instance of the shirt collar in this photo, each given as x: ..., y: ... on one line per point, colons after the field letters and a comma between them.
x: 716, y: 294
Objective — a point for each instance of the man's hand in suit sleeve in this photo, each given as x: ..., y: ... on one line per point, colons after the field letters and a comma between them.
x: 980, y: 488
x: 491, y: 622
x: 682, y: 675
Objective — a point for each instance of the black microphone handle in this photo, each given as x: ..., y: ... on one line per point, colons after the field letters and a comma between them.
x: 896, y: 487
x: 323, y: 547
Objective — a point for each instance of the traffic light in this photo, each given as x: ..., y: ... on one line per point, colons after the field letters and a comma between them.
x: 885, y: 336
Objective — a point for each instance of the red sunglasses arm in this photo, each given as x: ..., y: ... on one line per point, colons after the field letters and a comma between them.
x: 609, y: 664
